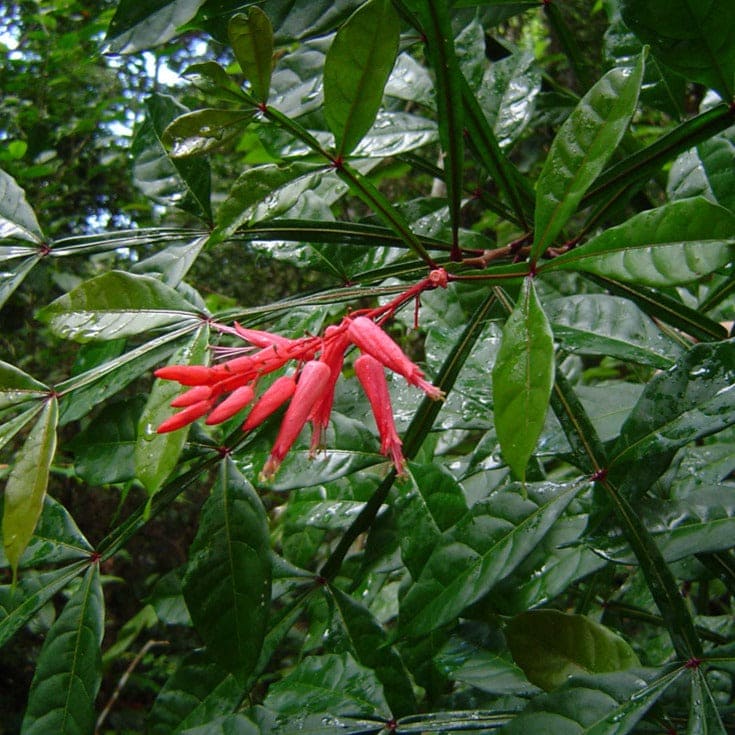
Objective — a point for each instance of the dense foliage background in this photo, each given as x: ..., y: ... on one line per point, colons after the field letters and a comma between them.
x: 559, y: 553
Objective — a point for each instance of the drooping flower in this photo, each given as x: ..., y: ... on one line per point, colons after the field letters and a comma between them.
x: 312, y: 383
x: 236, y: 401
x: 279, y: 392
x: 372, y: 340
x: 371, y: 375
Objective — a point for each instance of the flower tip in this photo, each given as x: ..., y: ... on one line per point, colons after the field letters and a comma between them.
x: 269, y: 469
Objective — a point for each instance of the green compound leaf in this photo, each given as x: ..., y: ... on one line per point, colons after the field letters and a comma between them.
x: 69, y: 669
x: 155, y: 455
x: 523, y: 376
x: 356, y: 69
x: 227, y: 586
x: 483, y: 548
x: 26, y: 486
x: 115, y: 305
x: 550, y: 646
x: 251, y: 37
x: 676, y: 243
x: 581, y: 148
x: 697, y: 40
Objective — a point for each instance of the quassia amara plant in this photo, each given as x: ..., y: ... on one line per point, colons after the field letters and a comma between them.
x: 528, y: 217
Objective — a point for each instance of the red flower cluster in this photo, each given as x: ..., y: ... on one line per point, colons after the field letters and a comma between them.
x: 224, y: 389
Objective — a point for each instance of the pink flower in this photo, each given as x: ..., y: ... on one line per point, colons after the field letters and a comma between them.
x: 182, y: 418
x: 279, y: 392
x: 371, y: 375
x: 313, y: 382
x: 185, y: 374
x: 372, y: 340
x: 236, y: 401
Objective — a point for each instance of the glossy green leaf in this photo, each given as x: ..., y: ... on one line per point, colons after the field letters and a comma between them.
x: 228, y: 580
x: 251, y: 38
x: 201, y: 131
x: 56, y: 539
x: 104, y: 449
x: 580, y: 150
x: 704, y: 714
x: 211, y: 78
x: 114, y: 305
x: 432, y: 505
x: 21, y: 601
x: 464, y: 660
x: 225, y: 725
x: 597, y: 324
x: 479, y: 551
x: 69, y: 669
x: 18, y: 387
x: 676, y: 243
x: 352, y: 629
x: 706, y: 170
x: 10, y: 427
x: 693, y: 399
x: 26, y: 486
x: 323, y: 691
x: 193, y: 695
x: 184, y: 183
x: 139, y: 26
x: 697, y: 40
x: 356, y: 69
x: 602, y: 704
x: 523, y: 376
x: 155, y: 455
x: 551, y: 646
x: 17, y: 218
x: 10, y: 280
x: 258, y: 185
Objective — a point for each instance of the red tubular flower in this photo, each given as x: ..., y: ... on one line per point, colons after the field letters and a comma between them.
x: 192, y: 396
x: 186, y: 374
x: 313, y: 382
x: 333, y: 355
x: 273, y: 398
x: 372, y: 340
x: 371, y: 375
x: 259, y: 338
x: 236, y: 401
x: 187, y: 416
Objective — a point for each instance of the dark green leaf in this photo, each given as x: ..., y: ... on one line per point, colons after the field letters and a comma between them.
x: 551, y: 646
x: 706, y: 170
x: 704, y: 714
x: 605, y: 704
x: 11, y: 279
x: 697, y: 40
x: 17, y: 386
x: 171, y: 181
x: 597, y: 324
x: 138, y: 26
x: 676, y: 243
x: 479, y: 551
x: 115, y: 305
x: 228, y: 580
x: 17, y: 218
x: 211, y: 78
x: 332, y: 685
x: 225, y: 725
x: 155, y: 455
x: 693, y: 399
x: 193, y: 695
x: 580, y: 150
x: 356, y: 69
x: 10, y: 427
x: 69, y: 669
x: 261, y: 184
x: 251, y: 38
x: 56, y: 539
x: 104, y: 449
x: 353, y: 629
x: 523, y: 376
x: 26, y: 486
x: 433, y: 504
x: 194, y: 133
